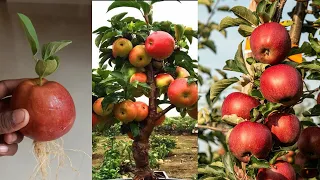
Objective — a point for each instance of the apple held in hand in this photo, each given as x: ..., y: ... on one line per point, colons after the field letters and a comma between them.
x: 50, y: 106
x: 270, y: 43
x: 250, y: 138
x: 138, y: 57
x: 182, y: 94
x: 239, y: 104
x: 160, y: 45
x: 125, y: 111
x: 121, y: 47
x: 98, y: 109
x: 309, y: 142
x: 284, y: 127
x: 281, y: 84
x: 281, y: 170
x: 142, y: 111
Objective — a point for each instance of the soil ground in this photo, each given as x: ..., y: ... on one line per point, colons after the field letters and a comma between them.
x: 182, y: 162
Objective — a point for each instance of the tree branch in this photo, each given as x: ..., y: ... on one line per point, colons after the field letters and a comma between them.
x: 164, y: 111
x: 213, y: 128
x: 278, y: 14
x: 298, y: 18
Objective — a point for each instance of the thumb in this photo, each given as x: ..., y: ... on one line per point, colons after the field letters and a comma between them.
x: 12, y: 121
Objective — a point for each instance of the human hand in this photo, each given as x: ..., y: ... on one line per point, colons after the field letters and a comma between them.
x: 10, y: 121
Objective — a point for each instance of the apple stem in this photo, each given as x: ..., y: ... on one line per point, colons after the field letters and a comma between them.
x: 40, y: 81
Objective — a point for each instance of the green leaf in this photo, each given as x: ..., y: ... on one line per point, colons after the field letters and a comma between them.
x: 264, y: 17
x: 50, y: 49
x: 268, y: 108
x: 315, y: 111
x: 134, y: 128
x: 246, y: 14
x: 109, y: 35
x: 98, y: 40
x: 262, y: 6
x: 305, y: 48
x: 117, y: 4
x: 230, y: 22
x: 271, y: 10
x: 229, y: 161
x: 118, y: 17
x: 30, y: 32
x: 179, y: 30
x: 313, y: 65
x: 258, y: 163
x: 210, y: 44
x: 256, y: 93
x: 145, y: 7
x: 45, y: 68
x: 245, y: 30
x: 314, y: 43
x: 101, y: 29
x: 219, y: 86
x: 277, y: 155
x: 314, y: 76
x: 237, y: 65
x: 223, y: 8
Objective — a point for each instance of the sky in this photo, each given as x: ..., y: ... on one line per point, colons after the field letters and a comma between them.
x: 227, y: 47
x: 179, y: 13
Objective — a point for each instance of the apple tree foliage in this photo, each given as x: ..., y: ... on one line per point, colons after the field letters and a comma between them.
x: 222, y: 164
x: 111, y: 79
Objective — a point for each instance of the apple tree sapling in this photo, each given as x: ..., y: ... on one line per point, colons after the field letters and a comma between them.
x: 157, y: 66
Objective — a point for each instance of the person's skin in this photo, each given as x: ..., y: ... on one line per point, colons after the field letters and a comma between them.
x: 10, y: 121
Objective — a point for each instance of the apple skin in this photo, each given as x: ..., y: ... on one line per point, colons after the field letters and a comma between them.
x: 270, y: 43
x: 250, y: 138
x: 281, y: 170
x: 142, y: 111
x: 239, y: 104
x: 160, y: 45
x: 308, y: 166
x: 163, y: 80
x: 160, y: 121
x: 193, y: 112
x: 139, y: 76
x: 182, y: 72
x: 309, y: 142
x: 95, y: 120
x: 138, y: 57
x: 97, y: 108
x: 51, y: 109
x: 274, y: 83
x: 125, y: 111
x: 285, y: 128
x: 121, y: 47
x: 182, y: 94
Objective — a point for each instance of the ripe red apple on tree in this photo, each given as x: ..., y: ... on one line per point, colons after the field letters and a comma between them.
x: 140, y: 77
x: 193, y: 111
x: 125, y: 111
x: 138, y: 56
x: 281, y: 170
x: 239, y: 104
x: 182, y: 94
x: 270, y: 43
x: 182, y: 72
x: 285, y: 128
x: 50, y: 107
x: 142, y: 111
x: 281, y: 84
x: 250, y: 138
x: 308, y: 166
x: 97, y: 108
x: 309, y: 142
x: 163, y: 80
x: 159, y: 45
x: 121, y: 47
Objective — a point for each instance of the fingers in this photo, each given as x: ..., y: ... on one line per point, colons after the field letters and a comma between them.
x: 13, y: 138
x: 8, y: 149
x: 5, y: 104
x: 11, y: 121
x: 7, y: 86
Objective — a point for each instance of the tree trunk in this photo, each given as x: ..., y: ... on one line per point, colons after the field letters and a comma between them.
x: 298, y: 18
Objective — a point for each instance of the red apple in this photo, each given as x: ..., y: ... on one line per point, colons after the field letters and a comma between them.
x: 182, y: 94
x: 239, y: 104
x: 97, y: 108
x: 275, y: 82
x: 121, y: 47
x: 182, y: 72
x: 270, y: 43
x: 308, y: 166
x: 309, y: 142
x: 95, y: 120
x: 139, y: 76
x: 160, y: 121
x: 284, y: 127
x: 163, y: 80
x: 125, y: 111
x: 50, y: 106
x: 250, y: 138
x: 281, y: 170
x: 138, y: 57
x: 142, y: 111
x: 193, y: 111
x: 160, y: 45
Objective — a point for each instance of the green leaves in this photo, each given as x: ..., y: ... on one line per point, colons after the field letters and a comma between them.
x: 230, y: 22
x: 238, y: 64
x: 277, y: 155
x: 315, y: 111
x: 117, y: 4
x: 245, y: 30
x: 246, y: 14
x: 179, y: 31
x: 30, y: 33
x: 258, y: 163
x: 219, y: 86
x: 50, y: 49
x: 46, y: 67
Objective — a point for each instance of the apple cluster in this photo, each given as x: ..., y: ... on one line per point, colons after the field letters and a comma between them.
x: 279, y: 83
x: 158, y: 46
